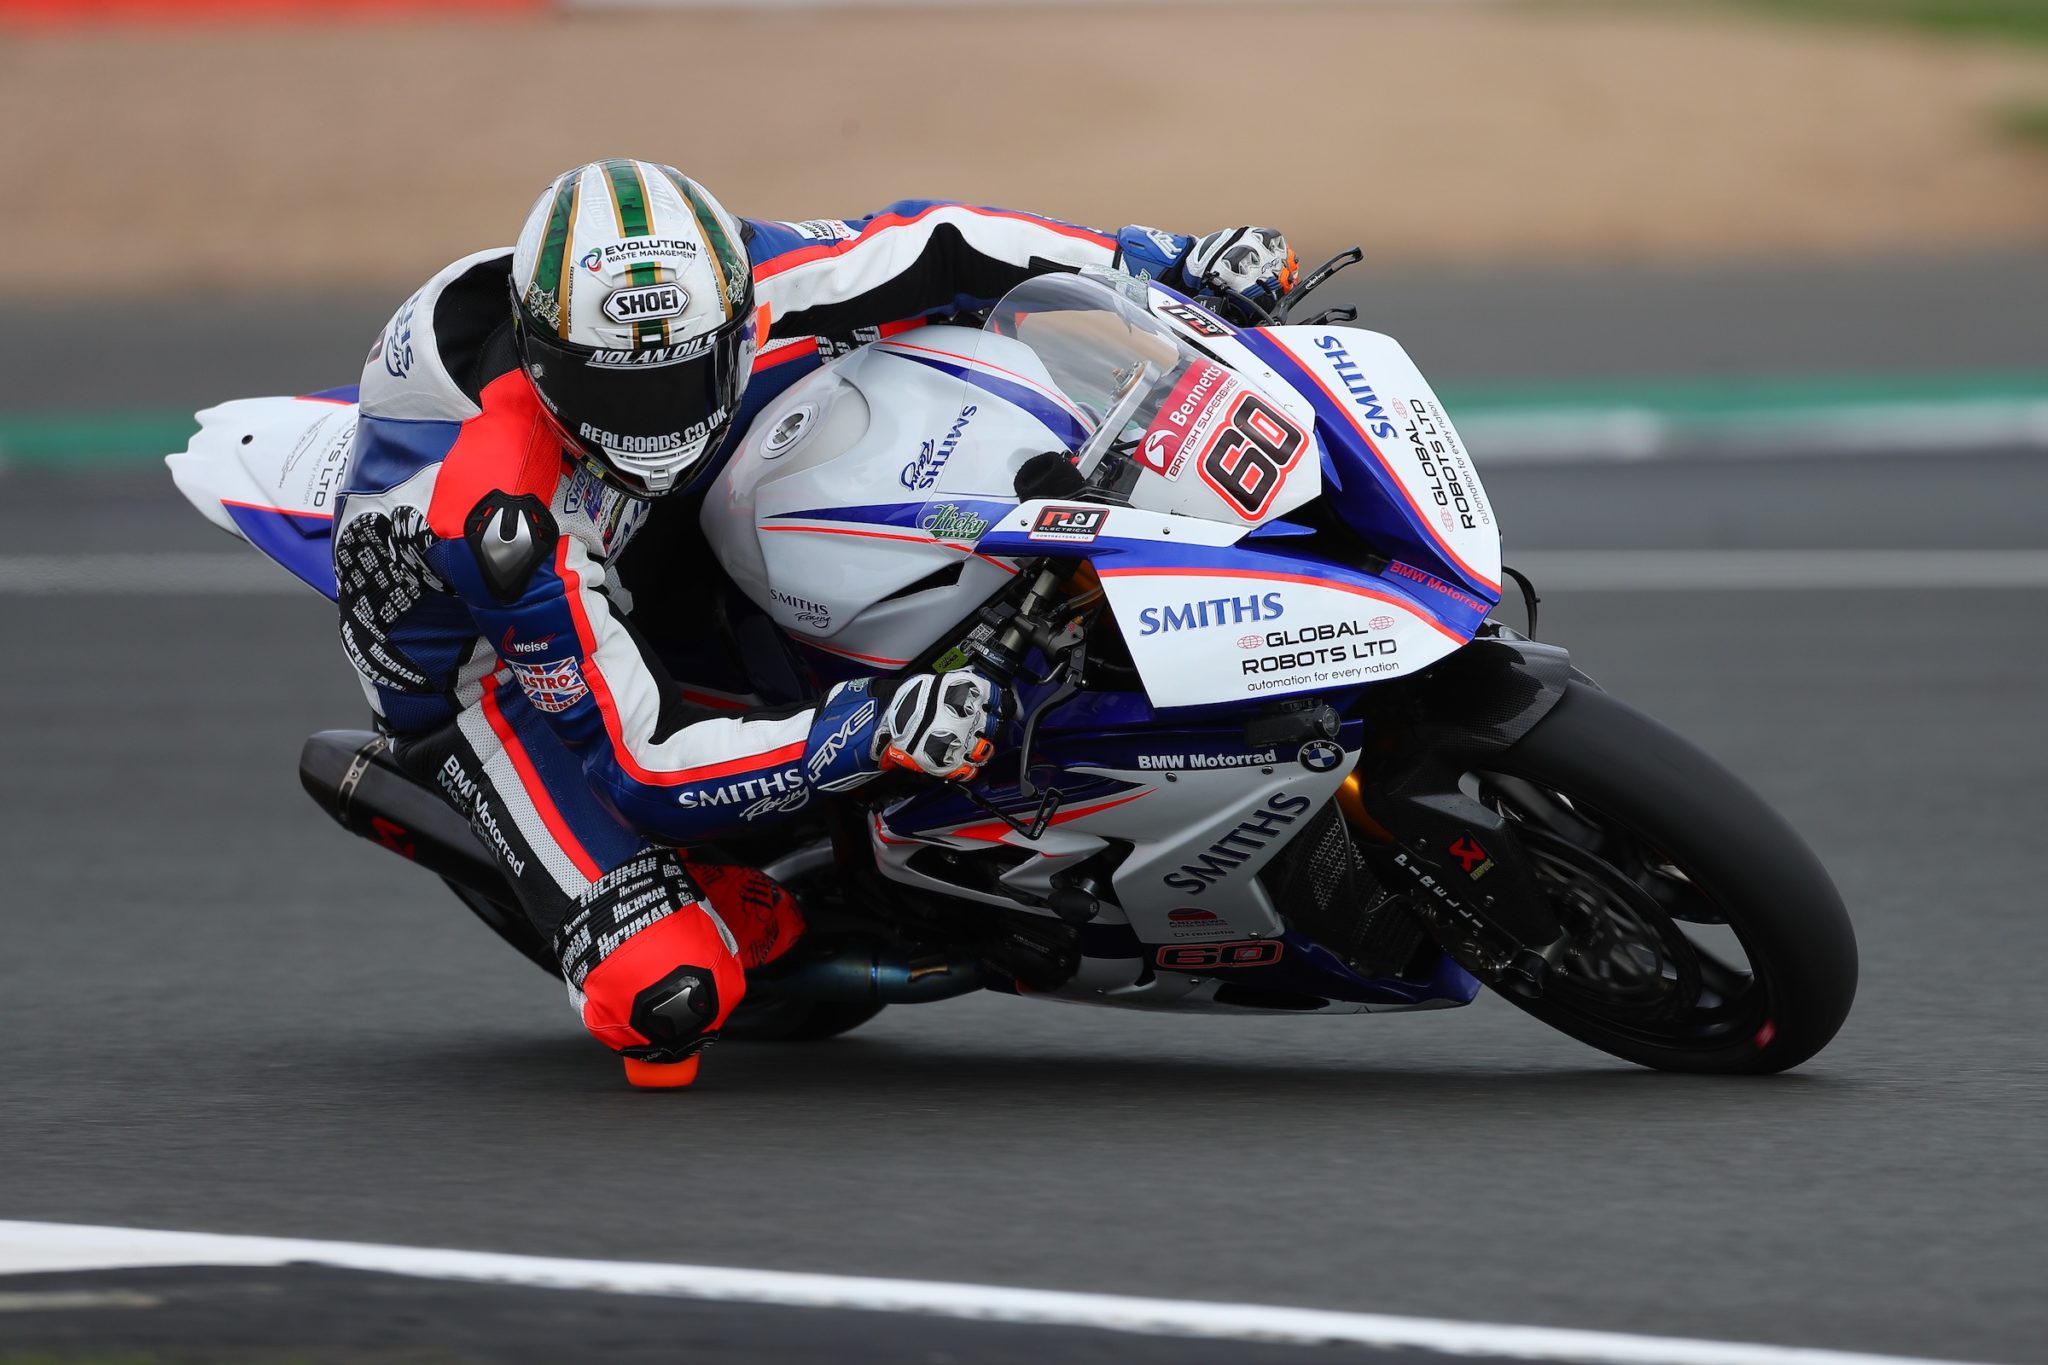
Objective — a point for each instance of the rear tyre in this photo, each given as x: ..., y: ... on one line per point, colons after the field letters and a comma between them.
x: 1705, y: 935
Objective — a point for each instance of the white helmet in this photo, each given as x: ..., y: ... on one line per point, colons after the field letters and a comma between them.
x: 634, y: 303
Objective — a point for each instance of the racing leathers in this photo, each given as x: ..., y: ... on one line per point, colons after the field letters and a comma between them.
x: 474, y: 559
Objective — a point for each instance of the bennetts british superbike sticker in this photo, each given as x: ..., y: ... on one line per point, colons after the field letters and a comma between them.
x: 1243, y: 446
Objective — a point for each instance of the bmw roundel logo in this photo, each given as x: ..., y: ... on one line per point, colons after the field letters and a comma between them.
x: 1320, y: 755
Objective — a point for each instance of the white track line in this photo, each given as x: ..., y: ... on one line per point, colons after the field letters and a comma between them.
x: 200, y: 575
x: 1623, y: 433
x: 47, y: 1247
x: 234, y: 574
x: 1758, y: 570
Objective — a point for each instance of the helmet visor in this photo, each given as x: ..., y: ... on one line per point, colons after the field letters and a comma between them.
x: 651, y: 414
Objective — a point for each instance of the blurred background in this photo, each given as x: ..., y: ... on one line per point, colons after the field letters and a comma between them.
x: 1788, y: 197
x: 1743, y: 307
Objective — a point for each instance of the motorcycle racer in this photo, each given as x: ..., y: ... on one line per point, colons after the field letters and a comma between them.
x: 518, y: 414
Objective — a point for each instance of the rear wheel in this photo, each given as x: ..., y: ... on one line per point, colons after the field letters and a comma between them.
x: 1703, y: 934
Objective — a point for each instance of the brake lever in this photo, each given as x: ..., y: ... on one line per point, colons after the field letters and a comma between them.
x: 1343, y: 312
x: 1316, y: 279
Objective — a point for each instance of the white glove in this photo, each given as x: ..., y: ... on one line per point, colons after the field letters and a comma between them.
x: 1254, y: 261
x: 939, y: 724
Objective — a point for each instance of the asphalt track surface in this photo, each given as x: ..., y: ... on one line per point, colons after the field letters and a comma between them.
x: 217, y: 1011
x: 222, y: 1013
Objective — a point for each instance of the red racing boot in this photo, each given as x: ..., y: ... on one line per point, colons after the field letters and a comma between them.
x: 654, y: 967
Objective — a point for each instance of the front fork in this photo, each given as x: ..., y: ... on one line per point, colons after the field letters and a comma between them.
x: 1414, y: 802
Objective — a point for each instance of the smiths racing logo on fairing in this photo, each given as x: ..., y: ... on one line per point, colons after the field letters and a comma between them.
x: 924, y: 471
x: 1372, y: 412
x: 1239, y: 844
x: 1209, y: 612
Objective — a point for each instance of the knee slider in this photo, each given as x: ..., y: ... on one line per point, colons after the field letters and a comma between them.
x: 651, y: 969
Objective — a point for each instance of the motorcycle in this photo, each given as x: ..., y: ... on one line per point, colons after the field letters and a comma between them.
x: 1271, y: 745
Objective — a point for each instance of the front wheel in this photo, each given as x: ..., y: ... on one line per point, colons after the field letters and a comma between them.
x: 1703, y: 935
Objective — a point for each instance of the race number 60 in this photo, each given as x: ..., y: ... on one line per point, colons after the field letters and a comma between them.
x: 1249, y: 462
x: 1189, y: 957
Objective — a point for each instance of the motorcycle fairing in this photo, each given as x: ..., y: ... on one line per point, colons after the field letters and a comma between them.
x: 1361, y: 390
x: 269, y: 471
x: 1397, y: 471
x: 1118, y: 970
x: 1197, y: 810
x: 1256, y: 621
x: 825, y: 517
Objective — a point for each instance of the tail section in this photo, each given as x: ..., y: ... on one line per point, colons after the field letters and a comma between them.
x: 269, y: 471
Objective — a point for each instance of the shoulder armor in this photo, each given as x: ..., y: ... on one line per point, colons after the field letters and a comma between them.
x: 406, y: 375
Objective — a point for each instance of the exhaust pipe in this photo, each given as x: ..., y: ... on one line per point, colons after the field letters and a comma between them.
x: 350, y: 775
x: 864, y: 974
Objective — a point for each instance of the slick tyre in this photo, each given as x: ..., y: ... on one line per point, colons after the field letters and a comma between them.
x: 1706, y: 936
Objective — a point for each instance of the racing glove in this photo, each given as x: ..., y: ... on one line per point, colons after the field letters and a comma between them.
x: 1254, y: 261
x: 939, y: 724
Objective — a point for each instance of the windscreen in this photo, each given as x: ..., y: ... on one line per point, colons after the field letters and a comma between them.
x: 1157, y: 424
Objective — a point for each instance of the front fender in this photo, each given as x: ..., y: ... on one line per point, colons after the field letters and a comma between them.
x: 1466, y: 872
x: 1484, y: 697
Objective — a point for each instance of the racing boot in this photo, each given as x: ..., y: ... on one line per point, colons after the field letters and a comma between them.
x: 655, y: 968
x: 759, y: 910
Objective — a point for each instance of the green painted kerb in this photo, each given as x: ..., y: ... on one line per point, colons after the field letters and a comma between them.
x: 1805, y: 397
x: 82, y: 441
x: 87, y: 440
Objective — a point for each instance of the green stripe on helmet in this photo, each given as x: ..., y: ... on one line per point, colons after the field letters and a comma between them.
x: 629, y: 197
x: 647, y: 333
x: 734, y: 271
x: 547, y: 293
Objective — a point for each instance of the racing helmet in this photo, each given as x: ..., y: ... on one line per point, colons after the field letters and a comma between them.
x: 633, y: 307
